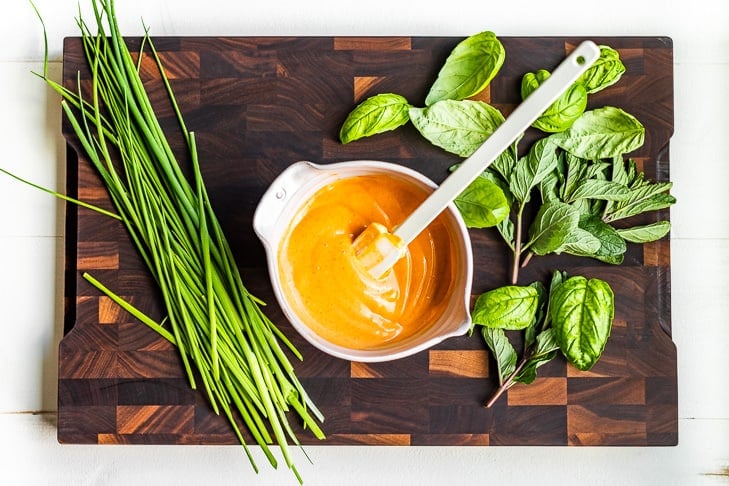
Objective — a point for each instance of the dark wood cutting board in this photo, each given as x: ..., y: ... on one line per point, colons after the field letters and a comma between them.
x: 260, y: 104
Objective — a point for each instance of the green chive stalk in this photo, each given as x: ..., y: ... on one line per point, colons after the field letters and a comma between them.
x: 225, y: 340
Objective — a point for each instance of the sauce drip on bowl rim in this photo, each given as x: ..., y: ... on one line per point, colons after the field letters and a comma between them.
x: 330, y: 291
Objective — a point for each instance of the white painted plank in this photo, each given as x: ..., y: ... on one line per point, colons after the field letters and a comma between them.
x: 29, y: 454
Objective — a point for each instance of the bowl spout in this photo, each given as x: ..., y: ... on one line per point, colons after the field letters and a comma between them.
x: 275, y: 206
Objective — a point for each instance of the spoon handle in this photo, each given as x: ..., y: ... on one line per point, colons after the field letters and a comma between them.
x: 520, y: 119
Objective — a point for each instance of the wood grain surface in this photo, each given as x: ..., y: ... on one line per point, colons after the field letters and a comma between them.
x: 260, y: 104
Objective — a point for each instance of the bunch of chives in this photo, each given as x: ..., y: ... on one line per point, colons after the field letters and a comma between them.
x: 223, y: 336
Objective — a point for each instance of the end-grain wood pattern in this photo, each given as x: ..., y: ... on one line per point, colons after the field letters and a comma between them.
x: 260, y: 104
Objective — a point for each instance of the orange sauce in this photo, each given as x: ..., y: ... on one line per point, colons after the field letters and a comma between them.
x: 329, y: 289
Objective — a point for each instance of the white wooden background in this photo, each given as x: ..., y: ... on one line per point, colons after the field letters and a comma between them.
x: 31, y: 247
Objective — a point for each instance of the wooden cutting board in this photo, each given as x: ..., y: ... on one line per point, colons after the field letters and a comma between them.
x: 260, y: 104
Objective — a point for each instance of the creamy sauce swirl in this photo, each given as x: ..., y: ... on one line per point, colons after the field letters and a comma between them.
x: 326, y: 285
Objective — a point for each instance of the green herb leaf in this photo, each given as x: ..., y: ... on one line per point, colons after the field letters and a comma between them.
x: 505, y: 162
x: 581, y: 242
x: 545, y: 350
x: 459, y: 127
x: 549, y: 188
x: 574, y: 170
x: 604, y: 72
x: 602, y: 133
x: 510, y: 307
x: 377, y: 114
x: 599, y: 189
x: 647, y: 197
x: 470, y: 67
x: 506, y: 230
x: 533, y: 169
x: 502, y: 351
x: 612, y: 245
x: 482, y: 204
x: 551, y: 227
x: 619, y: 173
x: 558, y: 279
x: 582, y: 312
x: 561, y: 114
x: 493, y: 176
x: 531, y: 331
x: 646, y: 234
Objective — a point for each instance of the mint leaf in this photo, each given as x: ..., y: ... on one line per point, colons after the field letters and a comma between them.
x: 551, y: 227
x: 646, y: 234
x: 533, y: 169
x: 612, y: 245
x: 502, y: 351
x: 545, y: 350
x: 599, y: 189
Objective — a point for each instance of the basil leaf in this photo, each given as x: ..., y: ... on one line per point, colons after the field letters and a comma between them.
x: 492, y: 176
x: 551, y: 227
x: 511, y: 307
x: 646, y: 234
x: 563, y: 112
x: 602, y: 133
x: 605, y: 71
x: 582, y: 313
x: 459, y: 127
x: 502, y: 351
x: 545, y: 350
x: 377, y: 114
x: 599, y: 189
x: 531, y: 81
x: 533, y: 169
x: 469, y: 68
x: 482, y: 204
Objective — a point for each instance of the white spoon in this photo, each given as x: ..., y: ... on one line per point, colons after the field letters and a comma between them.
x: 378, y: 250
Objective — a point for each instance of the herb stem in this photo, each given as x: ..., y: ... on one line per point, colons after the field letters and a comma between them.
x: 517, y: 246
x: 527, y: 259
x: 508, y: 383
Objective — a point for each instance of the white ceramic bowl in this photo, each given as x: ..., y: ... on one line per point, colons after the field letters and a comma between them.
x: 288, y: 193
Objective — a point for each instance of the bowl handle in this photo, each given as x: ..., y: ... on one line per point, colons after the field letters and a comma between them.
x: 278, y: 196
